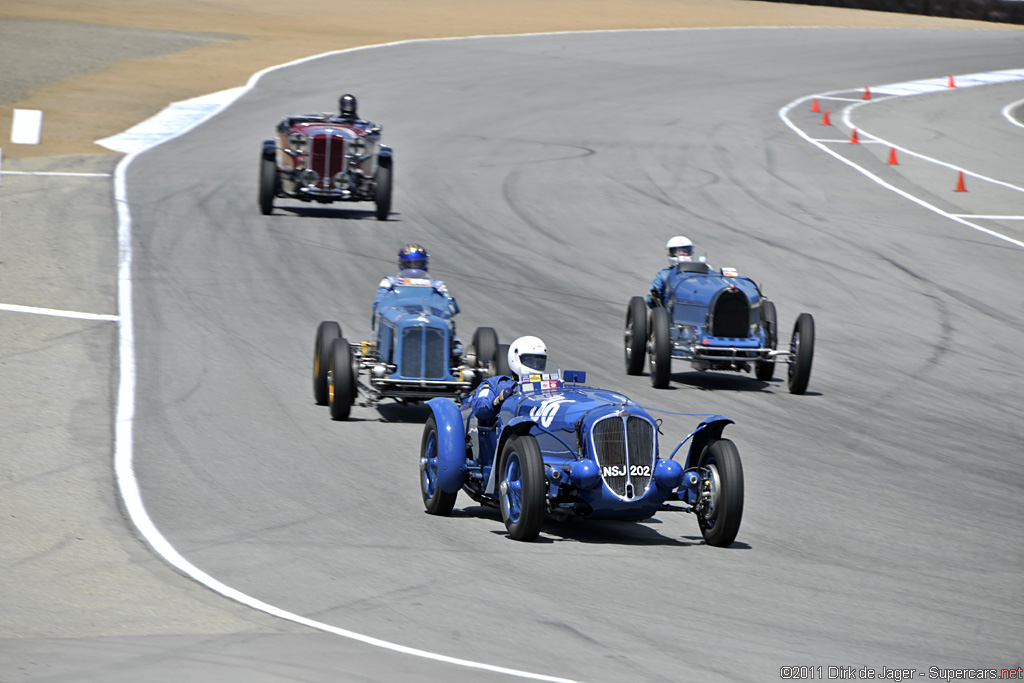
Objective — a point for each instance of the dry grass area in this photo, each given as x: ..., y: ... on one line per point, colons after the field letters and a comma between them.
x: 241, y: 37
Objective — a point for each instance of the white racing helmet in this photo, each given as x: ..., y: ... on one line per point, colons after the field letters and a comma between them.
x: 680, y: 250
x: 526, y: 355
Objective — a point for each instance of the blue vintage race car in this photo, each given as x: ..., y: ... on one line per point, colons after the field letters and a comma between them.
x: 716, y: 320
x: 559, y: 448
x: 413, y: 357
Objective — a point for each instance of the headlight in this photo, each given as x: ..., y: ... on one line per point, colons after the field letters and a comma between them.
x: 297, y: 141
x: 310, y: 177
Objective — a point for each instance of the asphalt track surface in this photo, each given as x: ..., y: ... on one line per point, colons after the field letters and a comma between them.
x: 882, y: 525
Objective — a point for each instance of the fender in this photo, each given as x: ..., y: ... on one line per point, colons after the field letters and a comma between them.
x: 384, y: 156
x: 451, y: 444
x: 709, y: 429
x: 515, y: 427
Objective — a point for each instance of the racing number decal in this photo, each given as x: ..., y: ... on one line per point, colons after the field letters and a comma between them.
x: 546, y: 411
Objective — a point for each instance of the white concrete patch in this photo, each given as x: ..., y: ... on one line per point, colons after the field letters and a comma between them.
x: 56, y: 312
x: 174, y: 120
x: 27, y: 126
x: 938, y: 84
x: 58, y: 173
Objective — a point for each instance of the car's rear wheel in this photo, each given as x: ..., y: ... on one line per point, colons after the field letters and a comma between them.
x: 485, y: 345
x: 436, y: 501
x: 636, y: 335
x: 801, y: 353
x: 341, y: 380
x: 719, y: 518
x: 382, y: 194
x: 661, y: 349
x: 764, y: 369
x: 501, y: 360
x: 326, y: 333
x: 268, y: 184
x: 521, y: 487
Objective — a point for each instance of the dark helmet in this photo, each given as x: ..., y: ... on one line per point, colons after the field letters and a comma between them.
x: 413, y: 257
x: 347, y: 106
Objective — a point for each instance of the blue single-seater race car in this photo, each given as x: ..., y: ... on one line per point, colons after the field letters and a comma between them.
x: 562, y: 449
x: 716, y: 320
x: 414, y: 355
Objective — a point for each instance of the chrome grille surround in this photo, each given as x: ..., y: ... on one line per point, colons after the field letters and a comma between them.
x: 326, y: 157
x: 624, y: 447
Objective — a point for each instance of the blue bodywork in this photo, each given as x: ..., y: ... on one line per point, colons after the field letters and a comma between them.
x: 414, y: 354
x: 715, y: 318
x: 599, y: 449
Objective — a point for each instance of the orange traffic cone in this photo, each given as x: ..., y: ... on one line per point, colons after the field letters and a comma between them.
x: 892, y: 157
x: 960, y: 183
x: 814, y: 106
x: 952, y: 83
x: 853, y: 138
x: 824, y: 119
x: 867, y: 93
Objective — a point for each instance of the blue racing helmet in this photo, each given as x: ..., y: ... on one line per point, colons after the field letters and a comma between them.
x: 413, y: 257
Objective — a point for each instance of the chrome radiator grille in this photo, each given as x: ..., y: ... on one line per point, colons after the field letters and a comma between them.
x: 423, y: 353
x: 624, y: 447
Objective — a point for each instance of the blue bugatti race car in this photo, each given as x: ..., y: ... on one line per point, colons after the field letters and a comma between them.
x: 561, y: 449
x: 716, y: 320
x: 414, y: 355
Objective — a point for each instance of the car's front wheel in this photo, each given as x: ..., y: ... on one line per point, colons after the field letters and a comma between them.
x: 801, y: 353
x: 719, y: 516
x: 436, y: 501
x: 764, y: 369
x: 521, y: 490
x: 382, y: 194
x: 485, y: 345
x: 636, y: 335
x: 341, y: 380
x: 661, y: 349
x: 326, y: 333
x: 268, y: 184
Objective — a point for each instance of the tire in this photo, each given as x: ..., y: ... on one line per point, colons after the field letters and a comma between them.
x: 801, y: 353
x: 765, y: 369
x: 720, y: 522
x: 382, y: 193
x: 485, y: 345
x: 636, y: 335
x: 268, y: 185
x: 501, y: 361
x: 661, y: 349
x: 436, y: 501
x: 521, y: 489
x: 326, y: 333
x: 341, y: 380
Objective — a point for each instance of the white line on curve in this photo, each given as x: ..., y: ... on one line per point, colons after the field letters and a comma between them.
x: 1008, y: 113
